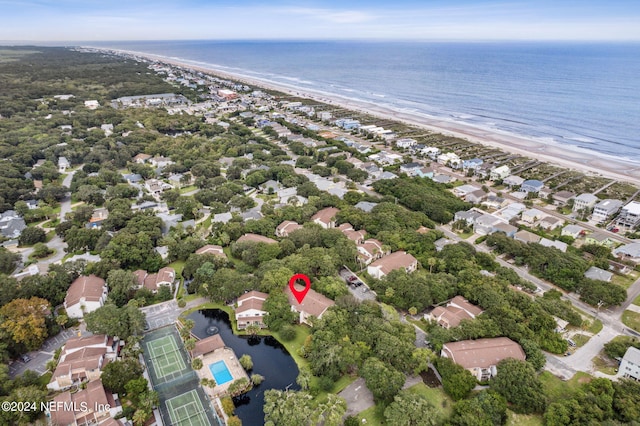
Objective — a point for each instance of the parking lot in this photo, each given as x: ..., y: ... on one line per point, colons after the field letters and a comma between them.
x: 161, y: 314
x: 40, y: 357
x: 356, y: 286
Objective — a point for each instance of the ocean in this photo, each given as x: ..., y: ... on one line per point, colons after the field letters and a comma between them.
x: 581, y: 94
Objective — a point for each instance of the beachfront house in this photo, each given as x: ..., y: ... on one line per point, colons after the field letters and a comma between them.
x: 472, y: 164
x: 561, y: 198
x: 606, y: 209
x: 431, y: 152
x: 532, y: 186
x: 450, y: 159
x: 499, y: 173
x: 629, y: 215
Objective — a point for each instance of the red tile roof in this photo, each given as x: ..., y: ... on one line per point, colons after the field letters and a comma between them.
x: 326, y: 215
x: 482, y: 353
x: 395, y: 260
x: 211, y: 249
x: 90, y: 287
x: 314, y: 303
x: 207, y: 345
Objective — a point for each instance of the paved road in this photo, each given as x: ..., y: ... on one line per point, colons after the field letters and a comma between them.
x: 65, y: 205
x: 43, y: 355
x: 167, y: 313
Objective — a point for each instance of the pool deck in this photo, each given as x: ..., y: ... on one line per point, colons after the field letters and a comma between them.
x: 229, y: 357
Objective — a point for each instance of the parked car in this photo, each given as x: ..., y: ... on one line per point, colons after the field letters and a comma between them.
x: 25, y: 358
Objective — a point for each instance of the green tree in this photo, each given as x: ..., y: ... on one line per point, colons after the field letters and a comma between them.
x: 383, y: 381
x: 246, y: 362
x: 116, y: 374
x: 304, y: 378
x: 410, y: 409
x: 8, y: 261
x: 121, y: 285
x: 31, y: 236
x: 484, y: 409
x: 518, y: 383
x: 26, y: 321
x: 196, y: 364
x: 456, y: 380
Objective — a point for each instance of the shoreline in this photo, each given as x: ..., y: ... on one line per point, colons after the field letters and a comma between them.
x: 565, y: 156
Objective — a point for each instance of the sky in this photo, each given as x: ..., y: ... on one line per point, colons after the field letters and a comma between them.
x: 95, y: 20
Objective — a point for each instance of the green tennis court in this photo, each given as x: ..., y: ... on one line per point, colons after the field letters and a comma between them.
x: 187, y: 410
x: 165, y: 356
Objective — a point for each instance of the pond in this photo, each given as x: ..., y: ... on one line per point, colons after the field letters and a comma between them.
x: 270, y: 359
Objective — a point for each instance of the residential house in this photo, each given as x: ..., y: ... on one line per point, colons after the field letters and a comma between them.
x: 11, y: 225
x: 513, y: 181
x: 481, y: 356
x: 326, y: 217
x: 387, y: 175
x: 286, y: 228
x: 561, y: 198
x: 164, y: 277
x: 347, y: 123
x: 424, y: 172
x: 584, y: 202
x: 606, y: 209
x: 211, y: 249
x: 63, y: 164
x: 141, y: 158
x: 532, y: 215
x: 494, y: 202
x: 629, y: 252
x: 431, y: 152
x: 630, y: 364
x: 271, y: 187
x: 450, y: 159
x: 595, y: 273
x: 629, y: 215
x: 156, y: 187
x: 391, y: 262
x: 222, y: 217
x: 550, y: 223
x: 406, y: 143
x: 555, y: 244
x: 469, y: 216
x: 86, y: 294
x: 511, y: 211
x: 472, y: 164
x: 97, y: 218
x: 365, y: 206
x: 250, y: 311
x: 526, y: 237
x: 485, y: 224
x: 573, y: 231
x: 475, y: 197
x: 207, y: 345
x: 410, y: 168
x: 505, y: 228
x: 160, y: 162
x: 456, y: 310
x: 600, y: 239
x: 81, y: 360
x: 463, y: 190
x: 498, y: 173
x: 532, y: 186
x: 370, y: 250
x: 442, y: 243
x: 91, y: 104
x: 132, y: 178
x: 314, y: 305
x: 355, y: 236
x: 255, y: 238
x: 90, y: 406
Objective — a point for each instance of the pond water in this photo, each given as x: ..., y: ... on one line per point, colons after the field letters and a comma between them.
x: 270, y: 359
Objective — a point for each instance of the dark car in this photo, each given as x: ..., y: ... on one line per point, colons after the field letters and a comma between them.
x: 25, y: 358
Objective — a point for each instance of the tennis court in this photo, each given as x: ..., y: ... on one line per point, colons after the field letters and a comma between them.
x: 165, y: 356
x: 187, y: 410
x: 182, y: 400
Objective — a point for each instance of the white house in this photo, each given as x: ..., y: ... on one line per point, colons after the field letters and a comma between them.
x: 630, y: 365
x: 584, y: 201
x: 605, y: 209
x: 450, y: 159
x: 498, y: 173
x: 86, y: 294
x: 326, y: 217
x: 250, y: 311
x: 63, y: 164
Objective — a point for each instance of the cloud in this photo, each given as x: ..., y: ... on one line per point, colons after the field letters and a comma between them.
x: 331, y: 15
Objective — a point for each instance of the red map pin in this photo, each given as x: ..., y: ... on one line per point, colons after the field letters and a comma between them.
x: 299, y: 294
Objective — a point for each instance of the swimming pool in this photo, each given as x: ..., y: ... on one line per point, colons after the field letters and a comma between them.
x: 220, y: 372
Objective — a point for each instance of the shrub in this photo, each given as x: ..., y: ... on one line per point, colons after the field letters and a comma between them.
x: 228, y: 405
x: 246, y: 362
x: 196, y: 364
x: 182, y: 303
x: 288, y: 333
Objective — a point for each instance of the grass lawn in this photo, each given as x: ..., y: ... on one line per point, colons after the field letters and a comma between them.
x: 374, y: 416
x: 631, y: 319
x: 595, y: 327
x: 437, y: 397
x: 636, y: 301
x: 188, y: 188
x: 557, y: 389
x: 178, y: 265
x: 625, y: 281
x: 604, y: 364
x: 514, y: 419
x: 580, y: 339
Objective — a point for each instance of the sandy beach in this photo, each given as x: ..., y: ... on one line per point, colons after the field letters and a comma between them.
x: 566, y: 156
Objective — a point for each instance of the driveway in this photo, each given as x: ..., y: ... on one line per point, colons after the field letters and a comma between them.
x: 43, y: 355
x: 359, y: 398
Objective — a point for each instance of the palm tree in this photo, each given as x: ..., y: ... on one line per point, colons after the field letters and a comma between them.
x: 252, y: 329
x: 190, y: 344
